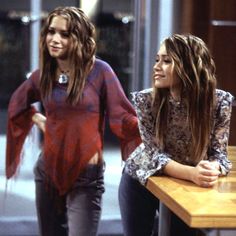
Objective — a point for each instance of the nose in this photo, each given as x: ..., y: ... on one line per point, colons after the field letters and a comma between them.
x: 56, y: 37
x: 157, y: 65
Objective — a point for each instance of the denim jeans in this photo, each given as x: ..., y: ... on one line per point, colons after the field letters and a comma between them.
x: 76, y: 213
x: 138, y: 207
x: 138, y: 211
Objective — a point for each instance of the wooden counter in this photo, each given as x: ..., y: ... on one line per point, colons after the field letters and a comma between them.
x: 198, y: 207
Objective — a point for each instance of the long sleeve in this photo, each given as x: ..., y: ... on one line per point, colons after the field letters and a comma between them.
x: 19, y: 123
x: 148, y: 159
x: 220, y: 133
x: 120, y: 113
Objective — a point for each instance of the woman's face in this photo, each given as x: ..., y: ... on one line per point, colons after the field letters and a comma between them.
x: 57, y: 38
x: 164, y: 75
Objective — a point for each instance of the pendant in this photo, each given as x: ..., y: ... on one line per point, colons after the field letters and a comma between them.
x: 63, y: 79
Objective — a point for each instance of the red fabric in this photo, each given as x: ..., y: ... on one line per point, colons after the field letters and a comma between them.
x: 19, y: 124
x: 17, y: 132
x: 73, y: 133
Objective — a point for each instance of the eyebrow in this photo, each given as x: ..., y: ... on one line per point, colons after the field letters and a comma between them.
x: 54, y: 28
x: 51, y: 27
x: 162, y: 55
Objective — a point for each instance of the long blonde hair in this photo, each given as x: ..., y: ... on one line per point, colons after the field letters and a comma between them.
x: 81, y: 52
x: 196, y: 69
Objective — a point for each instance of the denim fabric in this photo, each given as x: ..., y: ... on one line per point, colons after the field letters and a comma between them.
x: 138, y: 210
x: 138, y: 207
x: 76, y: 213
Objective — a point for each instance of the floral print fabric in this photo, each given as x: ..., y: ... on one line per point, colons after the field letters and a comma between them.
x: 148, y: 159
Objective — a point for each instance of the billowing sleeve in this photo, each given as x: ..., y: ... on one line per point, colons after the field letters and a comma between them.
x: 19, y: 122
x: 220, y: 134
x: 152, y: 159
x: 120, y: 113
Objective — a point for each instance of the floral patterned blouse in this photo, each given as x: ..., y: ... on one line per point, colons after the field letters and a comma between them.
x: 148, y: 159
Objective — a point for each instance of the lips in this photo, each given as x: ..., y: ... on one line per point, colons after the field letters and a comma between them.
x: 158, y: 76
x: 54, y: 49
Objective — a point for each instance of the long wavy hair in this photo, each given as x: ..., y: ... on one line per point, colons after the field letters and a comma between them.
x: 81, y: 53
x: 195, y: 67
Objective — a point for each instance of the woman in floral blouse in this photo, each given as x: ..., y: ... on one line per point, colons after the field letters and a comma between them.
x: 184, y: 125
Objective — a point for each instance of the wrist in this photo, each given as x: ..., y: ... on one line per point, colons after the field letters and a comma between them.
x: 190, y: 173
x: 38, y: 118
x: 35, y: 118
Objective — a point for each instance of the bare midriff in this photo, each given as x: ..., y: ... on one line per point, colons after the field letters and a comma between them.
x: 96, y: 159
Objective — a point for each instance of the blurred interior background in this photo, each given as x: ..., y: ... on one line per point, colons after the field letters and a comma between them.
x: 128, y: 35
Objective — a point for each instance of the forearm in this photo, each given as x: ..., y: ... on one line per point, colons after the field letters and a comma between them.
x: 177, y: 170
x: 205, y: 174
x: 39, y: 120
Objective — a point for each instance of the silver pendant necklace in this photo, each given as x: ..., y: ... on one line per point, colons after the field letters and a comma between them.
x: 63, y: 77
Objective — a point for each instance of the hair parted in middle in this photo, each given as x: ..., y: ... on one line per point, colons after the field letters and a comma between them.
x: 81, y: 52
x: 195, y: 67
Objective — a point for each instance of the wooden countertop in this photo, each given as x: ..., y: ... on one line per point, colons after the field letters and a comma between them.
x: 196, y: 206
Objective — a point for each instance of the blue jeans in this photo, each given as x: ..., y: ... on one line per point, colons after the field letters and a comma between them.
x: 138, y: 211
x: 138, y: 207
x: 76, y: 213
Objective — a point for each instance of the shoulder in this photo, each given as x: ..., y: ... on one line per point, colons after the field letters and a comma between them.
x: 34, y: 76
x: 32, y: 79
x: 102, y: 75
x: 224, y: 98
x: 142, y: 97
x: 102, y: 70
x: 102, y: 65
x: 224, y: 102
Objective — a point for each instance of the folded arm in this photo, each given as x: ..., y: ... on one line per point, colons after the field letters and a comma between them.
x: 205, y: 174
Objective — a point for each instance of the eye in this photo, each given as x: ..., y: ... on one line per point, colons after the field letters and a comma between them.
x: 65, y: 34
x: 167, y: 61
x: 51, y: 31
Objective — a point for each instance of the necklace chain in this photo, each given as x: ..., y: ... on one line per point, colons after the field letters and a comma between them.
x: 64, y: 71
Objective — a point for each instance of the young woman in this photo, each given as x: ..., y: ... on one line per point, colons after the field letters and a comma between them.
x: 77, y: 92
x: 184, y: 125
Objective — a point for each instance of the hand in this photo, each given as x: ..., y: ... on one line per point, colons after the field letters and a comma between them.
x: 206, y: 173
x: 40, y: 121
